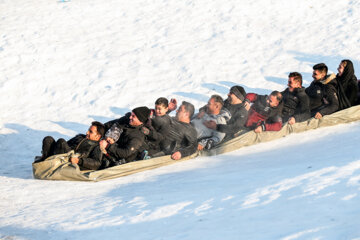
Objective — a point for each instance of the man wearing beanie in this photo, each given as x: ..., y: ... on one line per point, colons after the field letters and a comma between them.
x: 235, y: 105
x: 131, y: 140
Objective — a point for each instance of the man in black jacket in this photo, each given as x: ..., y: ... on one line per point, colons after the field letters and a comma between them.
x: 235, y: 104
x: 181, y: 140
x: 322, y: 92
x: 131, y: 140
x: 82, y: 144
x: 296, y: 103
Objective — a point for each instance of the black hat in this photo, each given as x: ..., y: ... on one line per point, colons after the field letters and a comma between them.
x: 239, y: 92
x: 142, y: 113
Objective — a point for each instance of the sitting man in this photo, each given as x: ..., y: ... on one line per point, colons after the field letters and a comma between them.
x: 234, y: 103
x: 296, y: 101
x: 322, y: 92
x: 131, y: 140
x: 83, y: 144
x: 181, y: 140
x: 206, y: 136
x: 265, y: 112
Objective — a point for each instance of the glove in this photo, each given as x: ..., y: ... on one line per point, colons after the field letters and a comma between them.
x: 145, y: 130
x: 207, y: 143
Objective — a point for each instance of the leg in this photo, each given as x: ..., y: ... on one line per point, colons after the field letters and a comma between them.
x: 61, y: 146
x: 48, y: 147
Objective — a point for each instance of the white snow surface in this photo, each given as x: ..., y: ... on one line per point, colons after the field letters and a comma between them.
x: 67, y: 63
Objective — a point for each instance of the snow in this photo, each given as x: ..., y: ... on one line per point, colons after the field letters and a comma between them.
x: 67, y: 63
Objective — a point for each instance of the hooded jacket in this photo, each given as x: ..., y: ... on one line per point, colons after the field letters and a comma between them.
x: 347, y: 88
x: 323, y: 96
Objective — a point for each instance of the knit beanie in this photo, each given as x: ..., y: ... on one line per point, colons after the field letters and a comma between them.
x: 239, y: 92
x: 114, y: 132
x: 142, y: 113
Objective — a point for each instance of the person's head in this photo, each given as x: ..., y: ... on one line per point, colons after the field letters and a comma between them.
x: 345, y: 66
x: 185, y: 112
x: 295, y: 81
x: 236, y: 95
x: 274, y: 99
x: 161, y: 106
x: 113, y: 134
x: 96, y: 131
x: 320, y: 71
x: 139, y: 116
x: 215, y: 104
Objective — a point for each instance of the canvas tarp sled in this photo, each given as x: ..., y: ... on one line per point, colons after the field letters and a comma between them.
x: 58, y: 167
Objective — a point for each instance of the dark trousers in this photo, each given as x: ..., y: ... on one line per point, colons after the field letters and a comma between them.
x: 51, y: 147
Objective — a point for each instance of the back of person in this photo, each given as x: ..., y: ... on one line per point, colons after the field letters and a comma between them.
x: 158, y: 130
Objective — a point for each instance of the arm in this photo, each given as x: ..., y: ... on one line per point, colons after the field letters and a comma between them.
x: 93, y: 161
x: 251, y: 97
x: 121, y: 121
x: 332, y: 98
x: 190, y: 142
x: 124, y: 152
x: 303, y: 113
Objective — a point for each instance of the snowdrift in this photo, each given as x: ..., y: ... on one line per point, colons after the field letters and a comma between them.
x: 58, y: 167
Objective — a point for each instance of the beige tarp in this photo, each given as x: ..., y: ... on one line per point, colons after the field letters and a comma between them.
x: 58, y: 167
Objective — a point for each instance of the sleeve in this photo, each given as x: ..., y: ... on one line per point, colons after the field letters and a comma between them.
x: 121, y: 121
x: 124, y: 152
x: 332, y: 99
x: 304, y: 108
x: 251, y: 97
x: 191, y: 143
x: 273, y: 124
x: 93, y: 161
x: 236, y: 123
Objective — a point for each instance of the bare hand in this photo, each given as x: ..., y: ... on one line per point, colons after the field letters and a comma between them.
x: 247, y: 106
x: 200, y: 147
x: 258, y: 129
x: 210, y: 124
x: 172, y: 104
x: 103, y: 144
x: 291, y: 121
x: 176, y: 155
x: 74, y: 160
x: 318, y: 115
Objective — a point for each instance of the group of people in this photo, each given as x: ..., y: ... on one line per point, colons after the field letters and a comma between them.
x: 146, y: 133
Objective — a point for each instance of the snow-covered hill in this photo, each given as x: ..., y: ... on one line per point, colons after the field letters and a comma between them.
x: 67, y: 63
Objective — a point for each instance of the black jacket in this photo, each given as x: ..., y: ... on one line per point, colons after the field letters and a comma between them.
x: 182, y: 137
x: 158, y: 130
x: 296, y: 104
x: 323, y: 97
x: 237, y: 121
x: 347, y: 88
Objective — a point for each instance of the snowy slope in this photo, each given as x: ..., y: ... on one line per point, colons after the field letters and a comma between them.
x: 65, y: 64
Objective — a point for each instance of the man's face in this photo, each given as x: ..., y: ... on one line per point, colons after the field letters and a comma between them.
x: 292, y: 84
x: 317, y: 75
x: 160, y: 110
x: 211, y: 106
x: 272, y: 100
x: 232, y: 98
x: 92, y: 134
x: 134, y: 121
x: 181, y: 113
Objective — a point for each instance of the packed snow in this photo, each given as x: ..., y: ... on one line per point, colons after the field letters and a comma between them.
x: 67, y: 63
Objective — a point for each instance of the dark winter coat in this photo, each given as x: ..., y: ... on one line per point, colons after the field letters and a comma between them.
x: 323, y: 96
x: 237, y: 121
x: 182, y: 137
x: 158, y: 129
x: 261, y: 114
x: 296, y: 104
x: 347, y: 88
x: 91, y: 155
